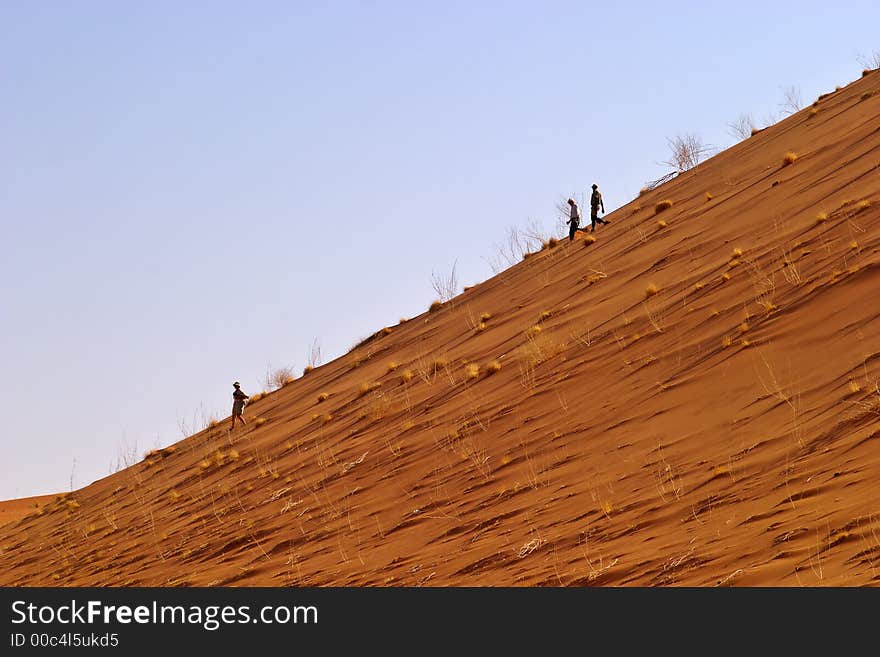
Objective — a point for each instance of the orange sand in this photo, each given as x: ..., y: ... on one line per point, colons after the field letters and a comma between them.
x: 722, y: 431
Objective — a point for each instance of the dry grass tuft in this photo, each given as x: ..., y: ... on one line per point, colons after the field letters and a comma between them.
x: 324, y: 396
x: 662, y: 205
x: 864, y: 204
x: 406, y: 376
x: 698, y: 286
x: 435, y: 306
x: 755, y: 131
x: 867, y: 95
x: 651, y: 290
x: 492, y: 367
x: 854, y: 387
x: 789, y: 158
x: 589, y: 239
x: 661, y: 224
x: 737, y: 253
x: 393, y: 365
x: 307, y: 369
x: 485, y: 317
x: 821, y: 217
x: 480, y: 327
x: 367, y: 387
x: 814, y: 111
x: 709, y: 196
x: 472, y: 370
x: 438, y: 364
x: 257, y: 396
x: 260, y: 421
x: 533, y: 331
x: 545, y: 314
x: 725, y: 277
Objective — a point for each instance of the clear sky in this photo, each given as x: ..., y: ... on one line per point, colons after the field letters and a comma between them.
x: 195, y: 192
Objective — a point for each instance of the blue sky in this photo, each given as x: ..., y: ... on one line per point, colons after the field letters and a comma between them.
x: 195, y: 192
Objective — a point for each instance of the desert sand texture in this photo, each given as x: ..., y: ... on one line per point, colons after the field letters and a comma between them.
x: 688, y: 397
x: 11, y: 510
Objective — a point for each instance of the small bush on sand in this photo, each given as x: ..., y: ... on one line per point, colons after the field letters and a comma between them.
x: 406, y: 376
x: 493, y: 366
x: 665, y: 204
x: 368, y: 386
x: 435, y: 306
x: 651, y: 290
x: 472, y: 370
x: 324, y: 396
x: 789, y: 158
x: 278, y: 378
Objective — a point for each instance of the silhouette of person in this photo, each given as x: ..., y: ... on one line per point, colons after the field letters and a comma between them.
x: 574, y: 219
x: 238, y: 400
x: 595, y: 204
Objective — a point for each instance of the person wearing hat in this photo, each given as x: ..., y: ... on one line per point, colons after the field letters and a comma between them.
x: 238, y: 401
x: 574, y: 219
x: 595, y: 204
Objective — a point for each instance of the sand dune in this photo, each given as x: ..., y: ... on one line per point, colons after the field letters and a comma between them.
x: 698, y: 405
x: 12, y: 510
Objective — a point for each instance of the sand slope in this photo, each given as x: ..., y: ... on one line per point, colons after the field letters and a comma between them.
x: 699, y: 406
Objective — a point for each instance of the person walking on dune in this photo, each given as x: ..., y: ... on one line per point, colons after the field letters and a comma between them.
x: 238, y: 401
x: 574, y: 219
x: 595, y: 204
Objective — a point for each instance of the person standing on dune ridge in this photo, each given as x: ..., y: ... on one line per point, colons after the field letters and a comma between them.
x: 238, y: 402
x: 596, y: 203
x: 574, y: 218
